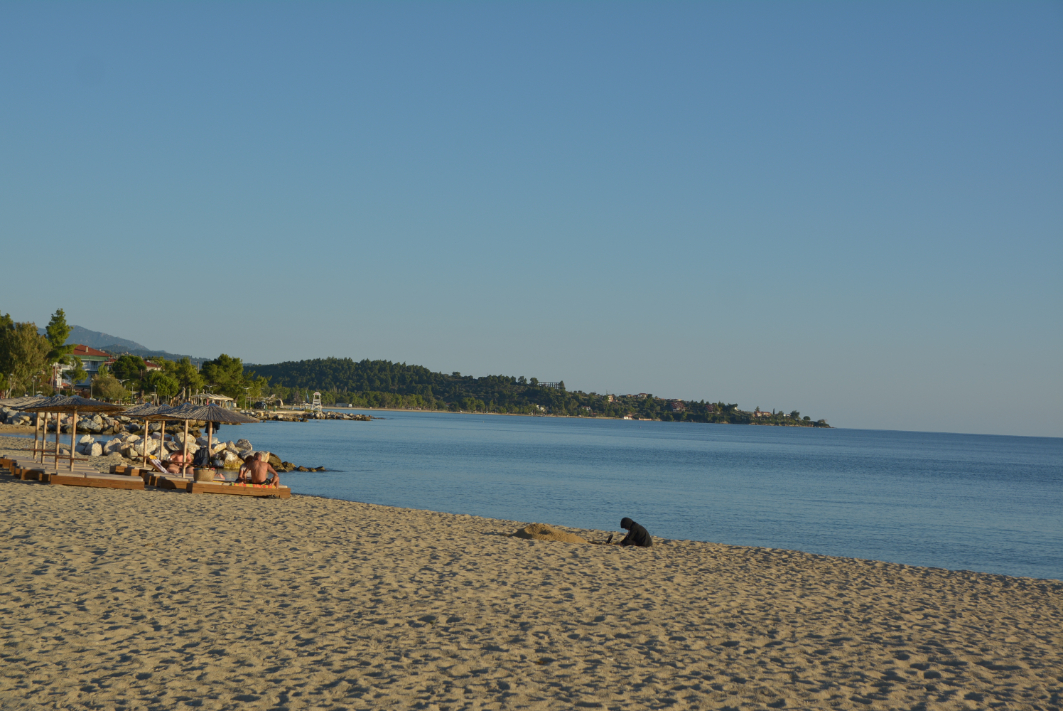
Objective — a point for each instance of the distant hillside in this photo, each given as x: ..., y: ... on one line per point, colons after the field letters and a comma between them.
x: 381, y: 383
x: 118, y: 349
x: 96, y: 339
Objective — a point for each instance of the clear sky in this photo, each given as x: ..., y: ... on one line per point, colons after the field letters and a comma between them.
x: 850, y: 209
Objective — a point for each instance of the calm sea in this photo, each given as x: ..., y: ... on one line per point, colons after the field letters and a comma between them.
x: 965, y: 502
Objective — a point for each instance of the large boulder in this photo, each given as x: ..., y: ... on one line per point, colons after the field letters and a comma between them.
x: 86, y: 439
x: 243, y: 445
x: 115, y: 445
x: 95, y: 449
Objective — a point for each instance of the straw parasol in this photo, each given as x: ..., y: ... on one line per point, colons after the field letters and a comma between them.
x: 146, y: 412
x: 71, y: 405
x: 20, y: 403
x: 208, y: 413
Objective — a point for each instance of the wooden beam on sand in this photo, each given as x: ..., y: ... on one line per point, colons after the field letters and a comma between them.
x: 173, y: 482
x: 104, y: 481
x: 280, y: 492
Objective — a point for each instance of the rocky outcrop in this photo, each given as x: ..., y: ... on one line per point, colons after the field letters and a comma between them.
x: 296, y: 416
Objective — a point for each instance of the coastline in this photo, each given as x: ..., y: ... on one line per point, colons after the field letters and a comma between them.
x: 159, y: 599
x: 560, y: 417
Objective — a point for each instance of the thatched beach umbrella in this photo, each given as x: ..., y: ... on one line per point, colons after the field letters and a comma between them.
x: 210, y: 414
x: 72, y: 405
x: 21, y: 403
x: 146, y: 412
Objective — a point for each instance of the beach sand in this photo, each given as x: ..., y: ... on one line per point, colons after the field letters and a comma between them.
x: 164, y: 600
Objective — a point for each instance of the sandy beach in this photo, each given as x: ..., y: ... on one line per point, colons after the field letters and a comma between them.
x: 163, y: 600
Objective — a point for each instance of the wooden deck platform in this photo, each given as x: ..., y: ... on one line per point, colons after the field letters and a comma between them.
x: 280, y: 492
x: 97, y: 481
x: 127, y: 470
x: 132, y: 478
x: 29, y: 470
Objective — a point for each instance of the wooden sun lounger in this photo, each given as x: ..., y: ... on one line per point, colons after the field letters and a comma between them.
x: 24, y: 462
x: 260, y: 490
x: 95, y: 480
x: 168, y: 481
x: 35, y: 471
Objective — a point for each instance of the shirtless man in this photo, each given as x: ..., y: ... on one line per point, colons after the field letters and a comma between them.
x: 260, y: 471
x: 176, y: 463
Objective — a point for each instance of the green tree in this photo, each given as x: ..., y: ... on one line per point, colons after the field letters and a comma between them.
x: 5, y: 324
x: 225, y: 374
x: 57, y: 332
x: 106, y: 386
x: 59, y: 353
x: 78, y: 373
x: 159, y: 382
x: 23, y: 354
x: 129, y: 367
x: 187, y: 376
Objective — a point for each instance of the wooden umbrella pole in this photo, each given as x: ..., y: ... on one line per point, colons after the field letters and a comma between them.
x: 73, y: 437
x: 184, y: 454
x: 36, y: 431
x: 210, y: 444
x: 58, y: 417
x: 162, y: 440
x: 147, y: 434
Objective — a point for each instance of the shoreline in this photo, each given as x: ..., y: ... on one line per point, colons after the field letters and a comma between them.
x: 103, y: 464
x: 559, y: 417
x: 161, y: 600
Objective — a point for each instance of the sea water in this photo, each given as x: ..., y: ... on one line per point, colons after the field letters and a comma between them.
x: 964, y: 502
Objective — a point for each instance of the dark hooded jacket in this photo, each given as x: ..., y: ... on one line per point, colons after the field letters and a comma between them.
x: 636, y: 534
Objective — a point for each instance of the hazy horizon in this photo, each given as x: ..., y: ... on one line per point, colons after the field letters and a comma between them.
x: 852, y: 210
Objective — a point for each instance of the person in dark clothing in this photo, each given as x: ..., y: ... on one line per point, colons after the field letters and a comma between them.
x: 636, y: 534
x: 202, y: 458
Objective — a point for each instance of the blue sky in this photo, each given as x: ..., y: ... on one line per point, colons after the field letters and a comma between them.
x: 850, y: 209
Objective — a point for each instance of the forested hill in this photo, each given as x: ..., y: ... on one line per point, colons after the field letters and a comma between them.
x: 381, y: 383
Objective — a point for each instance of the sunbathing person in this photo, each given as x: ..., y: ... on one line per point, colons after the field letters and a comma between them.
x: 177, y: 463
x: 260, y: 470
x: 636, y: 534
x: 244, y: 475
